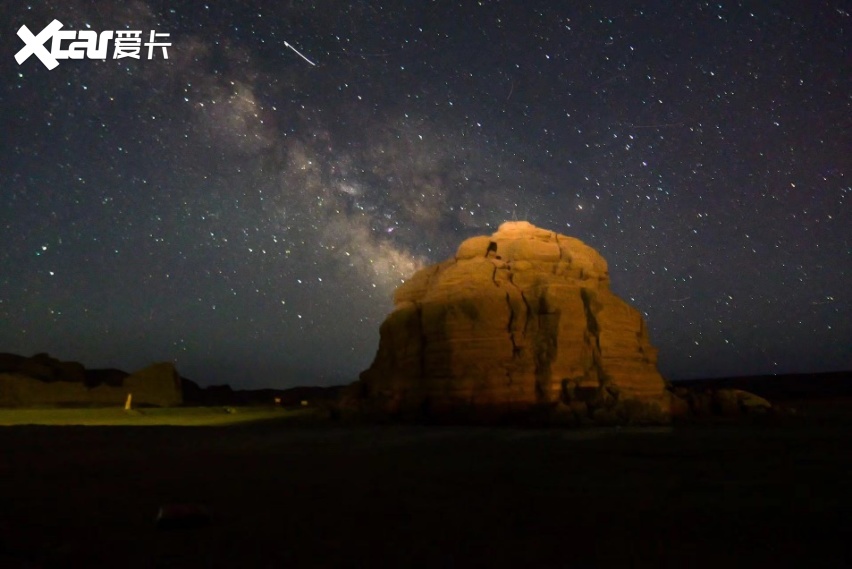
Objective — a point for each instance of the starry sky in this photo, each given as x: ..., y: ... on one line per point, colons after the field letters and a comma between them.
x: 246, y: 207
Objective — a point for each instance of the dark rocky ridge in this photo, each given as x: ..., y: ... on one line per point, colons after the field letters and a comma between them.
x: 781, y: 388
x: 45, y: 381
x: 219, y: 395
x: 42, y: 380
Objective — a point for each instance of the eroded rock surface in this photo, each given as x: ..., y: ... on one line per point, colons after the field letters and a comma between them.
x: 521, y: 320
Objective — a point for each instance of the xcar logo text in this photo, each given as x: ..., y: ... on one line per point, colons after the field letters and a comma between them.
x: 85, y: 44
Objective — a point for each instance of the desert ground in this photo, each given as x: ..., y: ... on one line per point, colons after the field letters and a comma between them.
x: 296, y: 493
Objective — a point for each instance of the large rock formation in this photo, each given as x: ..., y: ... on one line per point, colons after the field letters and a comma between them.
x: 45, y: 381
x: 520, y: 321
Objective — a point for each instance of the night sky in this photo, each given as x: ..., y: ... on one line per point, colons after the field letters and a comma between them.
x: 246, y: 211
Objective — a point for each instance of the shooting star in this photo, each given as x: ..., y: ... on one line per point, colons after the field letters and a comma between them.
x: 299, y: 53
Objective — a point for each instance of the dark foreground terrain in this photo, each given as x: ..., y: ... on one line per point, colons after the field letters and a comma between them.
x: 289, y: 495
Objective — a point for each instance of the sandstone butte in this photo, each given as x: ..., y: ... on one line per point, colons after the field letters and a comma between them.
x: 521, y: 321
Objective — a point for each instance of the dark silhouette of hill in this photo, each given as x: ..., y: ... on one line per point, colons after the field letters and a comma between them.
x: 44, y: 380
x: 215, y: 395
x: 785, y: 388
x: 49, y: 379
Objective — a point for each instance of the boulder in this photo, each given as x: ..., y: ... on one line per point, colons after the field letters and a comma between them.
x: 522, y: 320
x: 735, y: 402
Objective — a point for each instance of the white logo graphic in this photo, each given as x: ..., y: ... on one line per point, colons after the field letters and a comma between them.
x: 90, y: 44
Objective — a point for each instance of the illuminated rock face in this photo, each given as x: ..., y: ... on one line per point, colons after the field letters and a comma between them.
x: 523, y: 319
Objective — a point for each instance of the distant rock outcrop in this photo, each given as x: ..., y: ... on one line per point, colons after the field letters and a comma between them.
x: 42, y: 380
x: 523, y: 320
x: 719, y: 402
x: 216, y: 395
x: 158, y: 384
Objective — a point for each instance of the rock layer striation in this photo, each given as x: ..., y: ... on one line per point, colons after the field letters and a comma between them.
x: 520, y: 320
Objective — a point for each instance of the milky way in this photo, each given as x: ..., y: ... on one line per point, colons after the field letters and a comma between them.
x: 246, y: 207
